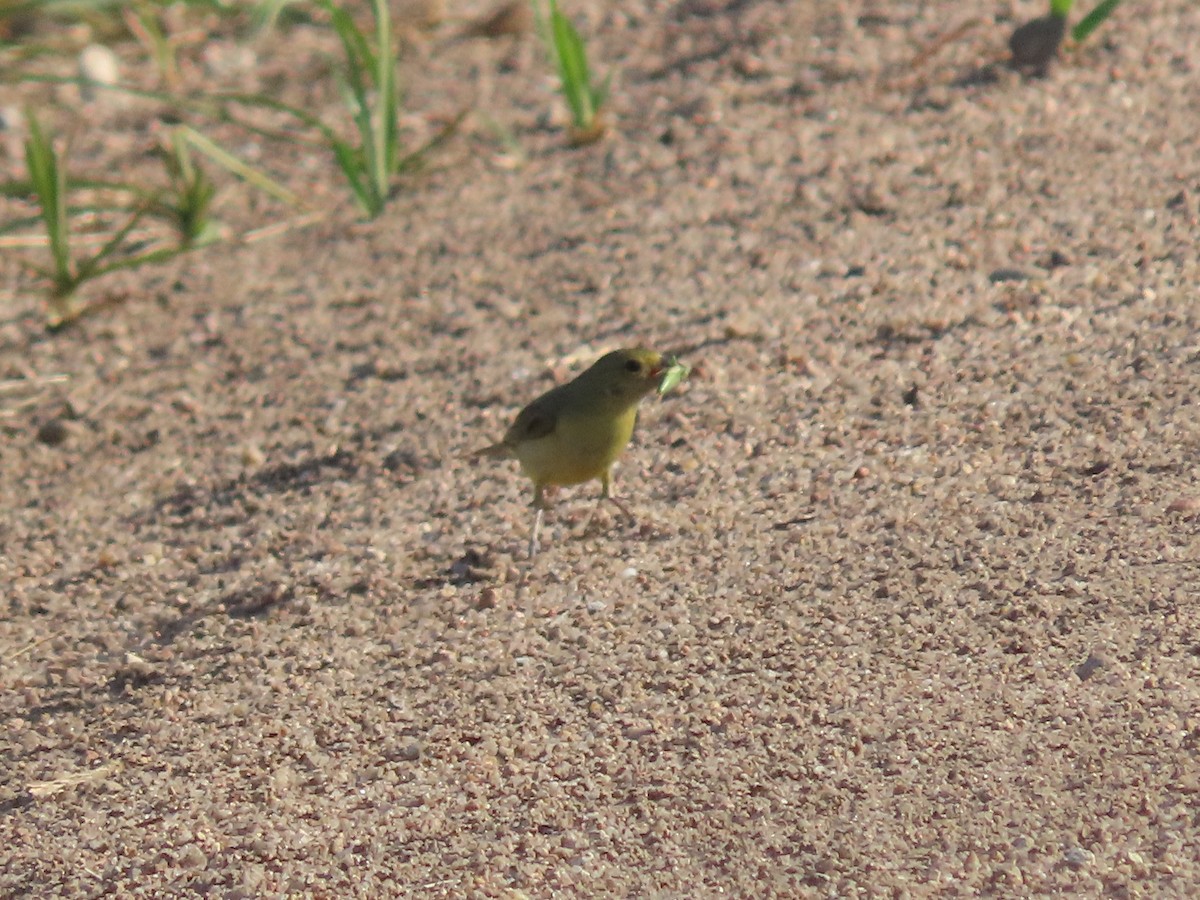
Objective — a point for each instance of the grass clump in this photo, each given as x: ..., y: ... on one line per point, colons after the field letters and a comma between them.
x: 94, y: 227
x: 69, y: 270
x: 177, y: 217
x: 368, y: 84
x: 584, y: 96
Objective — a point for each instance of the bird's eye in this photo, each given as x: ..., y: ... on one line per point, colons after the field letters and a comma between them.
x: 633, y: 365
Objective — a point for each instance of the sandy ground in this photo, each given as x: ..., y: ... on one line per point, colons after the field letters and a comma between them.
x: 911, y: 606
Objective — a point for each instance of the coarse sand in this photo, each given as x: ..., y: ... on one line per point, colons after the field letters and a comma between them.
x: 911, y: 606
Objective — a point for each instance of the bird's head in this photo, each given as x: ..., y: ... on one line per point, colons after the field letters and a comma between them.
x: 627, y: 374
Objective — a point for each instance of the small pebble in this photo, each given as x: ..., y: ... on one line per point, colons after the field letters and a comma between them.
x: 1186, y: 505
x: 252, y: 456
x: 11, y: 118
x: 1089, y: 666
x: 1003, y: 274
x: 1035, y: 44
x: 1078, y: 857
x: 53, y: 432
x: 98, y: 65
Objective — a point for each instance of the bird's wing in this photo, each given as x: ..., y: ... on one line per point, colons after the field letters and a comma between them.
x: 535, y: 421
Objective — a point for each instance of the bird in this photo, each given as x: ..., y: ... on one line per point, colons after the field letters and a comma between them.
x: 575, y: 432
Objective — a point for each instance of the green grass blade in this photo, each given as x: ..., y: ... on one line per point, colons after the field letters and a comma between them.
x: 368, y: 86
x: 1092, y: 20
x: 576, y: 54
x: 572, y: 66
x: 91, y: 268
x: 193, y: 194
x: 359, y: 59
x: 182, y: 158
x: 258, y: 100
x: 352, y: 84
x: 264, y: 14
x: 414, y: 159
x: 16, y: 190
x: 1061, y: 8
x: 355, y: 163
x: 21, y: 225
x: 387, y: 125
x: 381, y: 137
x: 214, y: 105
x: 350, y: 162
x: 568, y: 53
x: 160, y: 47
x: 235, y: 166
x: 160, y: 254
x: 50, y: 187
x: 32, y: 78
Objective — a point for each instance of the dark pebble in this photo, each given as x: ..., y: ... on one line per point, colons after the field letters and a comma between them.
x: 53, y: 432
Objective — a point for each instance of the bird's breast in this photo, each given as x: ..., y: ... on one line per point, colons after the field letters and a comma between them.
x: 581, y: 447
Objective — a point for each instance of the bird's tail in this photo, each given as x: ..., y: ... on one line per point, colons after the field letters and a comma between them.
x: 495, y: 451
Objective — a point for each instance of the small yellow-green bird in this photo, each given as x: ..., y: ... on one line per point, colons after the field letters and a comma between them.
x: 575, y: 432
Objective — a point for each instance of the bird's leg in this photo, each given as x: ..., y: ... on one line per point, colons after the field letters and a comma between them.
x: 539, y: 504
x: 606, y: 493
x: 533, y: 536
x: 629, y: 516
